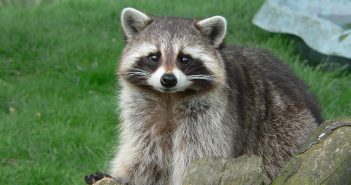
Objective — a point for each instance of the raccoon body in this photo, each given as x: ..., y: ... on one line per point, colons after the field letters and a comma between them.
x: 185, y: 95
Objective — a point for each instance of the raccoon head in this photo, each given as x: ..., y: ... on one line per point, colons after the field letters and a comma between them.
x: 171, y: 55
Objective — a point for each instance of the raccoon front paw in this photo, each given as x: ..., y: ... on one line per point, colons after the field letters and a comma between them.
x: 92, y: 178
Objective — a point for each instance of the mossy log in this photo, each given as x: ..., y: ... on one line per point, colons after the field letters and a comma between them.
x: 107, y: 181
x: 224, y: 170
x: 325, y: 159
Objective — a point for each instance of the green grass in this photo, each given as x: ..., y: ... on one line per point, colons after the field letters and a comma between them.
x: 58, y: 84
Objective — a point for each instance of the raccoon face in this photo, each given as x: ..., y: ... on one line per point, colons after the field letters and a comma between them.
x: 172, y: 54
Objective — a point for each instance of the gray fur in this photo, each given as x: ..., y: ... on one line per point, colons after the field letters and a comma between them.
x: 133, y: 21
x: 251, y: 104
x: 214, y: 28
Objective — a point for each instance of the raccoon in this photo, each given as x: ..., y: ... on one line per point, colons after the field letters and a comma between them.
x: 186, y: 95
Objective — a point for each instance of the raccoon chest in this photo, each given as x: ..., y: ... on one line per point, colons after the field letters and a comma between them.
x: 164, y: 120
x: 156, y: 155
x: 161, y: 139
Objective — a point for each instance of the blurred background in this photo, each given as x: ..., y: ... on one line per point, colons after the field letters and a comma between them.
x: 58, y: 83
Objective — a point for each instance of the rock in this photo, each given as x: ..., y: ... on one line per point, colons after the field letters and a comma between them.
x: 324, y: 25
x: 225, y: 170
x: 325, y: 159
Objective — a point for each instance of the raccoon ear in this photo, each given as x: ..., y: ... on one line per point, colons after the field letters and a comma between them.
x: 133, y: 21
x: 214, y: 28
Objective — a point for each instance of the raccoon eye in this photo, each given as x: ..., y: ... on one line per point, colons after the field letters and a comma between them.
x: 184, y: 59
x: 154, y: 58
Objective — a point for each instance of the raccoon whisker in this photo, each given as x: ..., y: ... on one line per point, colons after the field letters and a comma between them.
x: 140, y: 74
x: 138, y: 70
x: 211, y: 66
x: 137, y: 73
x: 201, y: 77
x: 211, y: 78
x: 146, y: 69
x: 214, y: 79
x: 226, y: 86
x: 187, y: 71
x: 216, y: 67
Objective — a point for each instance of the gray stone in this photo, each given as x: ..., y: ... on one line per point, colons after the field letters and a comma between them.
x: 324, y: 25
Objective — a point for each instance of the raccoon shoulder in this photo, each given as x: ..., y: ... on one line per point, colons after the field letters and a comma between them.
x: 257, y: 72
x: 258, y: 64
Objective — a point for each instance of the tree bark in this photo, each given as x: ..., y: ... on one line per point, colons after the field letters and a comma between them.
x: 225, y: 171
x: 326, y: 159
x: 107, y: 181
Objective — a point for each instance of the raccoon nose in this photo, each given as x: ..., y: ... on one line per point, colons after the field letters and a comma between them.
x: 168, y: 80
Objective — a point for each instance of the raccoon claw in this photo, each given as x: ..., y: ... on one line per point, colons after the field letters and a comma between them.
x: 92, y: 178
